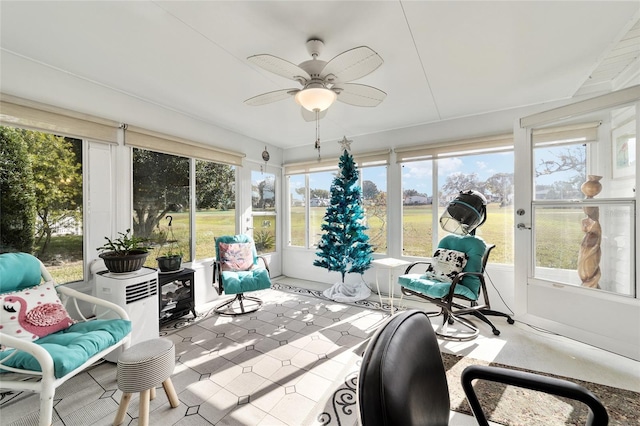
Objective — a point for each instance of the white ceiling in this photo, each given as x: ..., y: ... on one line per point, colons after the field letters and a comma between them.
x: 443, y: 59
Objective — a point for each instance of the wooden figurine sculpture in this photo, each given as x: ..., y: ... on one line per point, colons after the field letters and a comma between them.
x: 589, y: 257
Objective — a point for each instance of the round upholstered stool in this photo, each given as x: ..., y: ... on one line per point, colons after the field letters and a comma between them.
x: 142, y: 368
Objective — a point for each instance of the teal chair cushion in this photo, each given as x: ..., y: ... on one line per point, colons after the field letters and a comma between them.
x: 469, y: 287
x: 474, y: 247
x: 18, y: 271
x: 72, y: 347
x: 244, y: 281
x: 432, y: 288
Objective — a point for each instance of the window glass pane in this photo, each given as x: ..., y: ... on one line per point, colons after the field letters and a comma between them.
x: 41, y: 199
x: 559, y: 171
x: 492, y: 176
x: 374, y: 195
x: 417, y: 208
x: 263, y: 203
x: 297, y: 217
x: 264, y: 233
x: 319, y: 196
x: 160, y: 198
x: 215, y: 205
x: 587, y: 246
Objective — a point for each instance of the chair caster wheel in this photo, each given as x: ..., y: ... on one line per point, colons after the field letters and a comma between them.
x: 496, y: 332
x: 510, y: 320
x: 450, y: 321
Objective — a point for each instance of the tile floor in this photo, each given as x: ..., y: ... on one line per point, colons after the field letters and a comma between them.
x: 280, y: 366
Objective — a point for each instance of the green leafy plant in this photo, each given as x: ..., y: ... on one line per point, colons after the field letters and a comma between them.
x: 264, y: 240
x: 124, y: 245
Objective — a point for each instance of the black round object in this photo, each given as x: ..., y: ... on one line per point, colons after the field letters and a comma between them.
x: 465, y: 213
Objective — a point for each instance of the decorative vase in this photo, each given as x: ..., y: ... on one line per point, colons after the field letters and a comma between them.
x: 592, y: 186
x: 122, y: 264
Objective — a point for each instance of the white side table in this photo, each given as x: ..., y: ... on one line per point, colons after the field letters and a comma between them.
x: 389, y: 264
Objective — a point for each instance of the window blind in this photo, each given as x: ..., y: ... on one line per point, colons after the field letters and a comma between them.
x: 23, y: 113
x: 574, y: 133
x: 496, y: 143
x: 153, y: 141
x: 369, y: 159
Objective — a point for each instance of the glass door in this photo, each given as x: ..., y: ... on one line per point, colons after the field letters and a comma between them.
x: 576, y: 222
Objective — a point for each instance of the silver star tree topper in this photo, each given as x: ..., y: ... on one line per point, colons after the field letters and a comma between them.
x: 345, y: 144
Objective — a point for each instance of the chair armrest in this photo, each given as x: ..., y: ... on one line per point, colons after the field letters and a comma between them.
x: 422, y: 262
x: 265, y: 262
x: 597, y: 413
x: 75, y: 294
x: 38, y: 352
x: 458, y: 280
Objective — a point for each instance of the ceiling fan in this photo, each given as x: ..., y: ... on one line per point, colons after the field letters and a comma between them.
x: 323, y: 82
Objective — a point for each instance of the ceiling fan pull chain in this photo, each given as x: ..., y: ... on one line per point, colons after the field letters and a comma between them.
x: 317, y: 146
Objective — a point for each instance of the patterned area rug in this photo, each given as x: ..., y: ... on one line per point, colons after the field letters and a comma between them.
x: 502, y: 404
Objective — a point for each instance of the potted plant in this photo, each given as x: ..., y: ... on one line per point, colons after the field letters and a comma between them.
x: 126, y: 253
x: 171, y: 258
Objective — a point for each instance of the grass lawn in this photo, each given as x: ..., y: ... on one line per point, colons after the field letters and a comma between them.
x: 558, y: 236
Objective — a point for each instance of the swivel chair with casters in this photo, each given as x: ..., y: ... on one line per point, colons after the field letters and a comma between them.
x: 454, y: 278
x: 402, y: 378
x: 238, y: 269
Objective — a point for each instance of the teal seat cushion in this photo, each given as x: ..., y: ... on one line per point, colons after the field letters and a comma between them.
x: 18, y: 271
x: 244, y: 281
x: 432, y: 288
x: 469, y: 286
x: 72, y: 347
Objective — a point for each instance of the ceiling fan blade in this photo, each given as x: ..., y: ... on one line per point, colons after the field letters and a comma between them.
x: 359, y: 94
x: 352, y: 64
x: 267, y: 98
x: 311, y: 115
x: 280, y: 67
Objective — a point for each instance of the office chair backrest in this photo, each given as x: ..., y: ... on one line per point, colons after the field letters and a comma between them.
x: 402, y: 378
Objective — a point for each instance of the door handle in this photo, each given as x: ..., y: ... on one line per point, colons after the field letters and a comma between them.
x: 522, y: 226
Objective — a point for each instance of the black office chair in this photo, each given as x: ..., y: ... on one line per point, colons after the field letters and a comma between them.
x: 403, y: 380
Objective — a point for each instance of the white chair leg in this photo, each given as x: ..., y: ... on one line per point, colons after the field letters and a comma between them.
x: 46, y: 407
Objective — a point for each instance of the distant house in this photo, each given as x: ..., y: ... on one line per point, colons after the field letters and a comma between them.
x: 417, y: 200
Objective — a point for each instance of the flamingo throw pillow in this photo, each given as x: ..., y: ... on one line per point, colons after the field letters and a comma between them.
x: 33, y: 313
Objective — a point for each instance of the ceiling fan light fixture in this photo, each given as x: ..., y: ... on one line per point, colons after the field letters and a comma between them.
x: 315, y: 98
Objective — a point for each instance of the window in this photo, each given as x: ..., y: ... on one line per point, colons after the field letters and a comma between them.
x: 160, y: 200
x: 297, y: 217
x: 41, y: 199
x: 161, y: 188
x: 374, y: 196
x: 319, y: 198
x: 417, y: 207
x: 312, y: 181
x: 583, y: 214
x: 492, y: 176
x: 215, y: 205
x: 482, y: 164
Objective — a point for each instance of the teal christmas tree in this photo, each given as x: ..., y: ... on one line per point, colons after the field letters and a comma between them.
x: 344, y: 247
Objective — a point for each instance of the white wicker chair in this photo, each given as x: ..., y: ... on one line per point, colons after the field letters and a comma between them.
x: 45, y: 381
